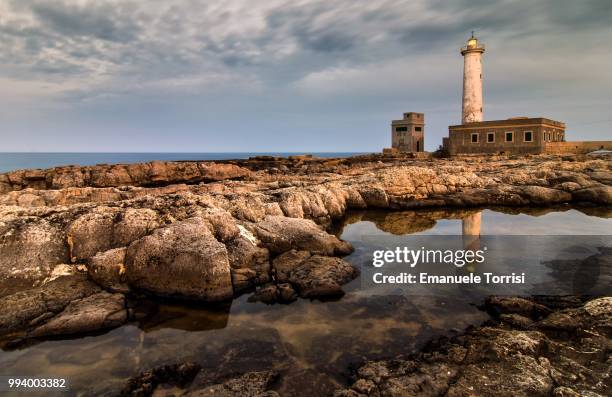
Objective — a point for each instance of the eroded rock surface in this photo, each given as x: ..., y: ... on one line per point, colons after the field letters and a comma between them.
x: 540, y: 346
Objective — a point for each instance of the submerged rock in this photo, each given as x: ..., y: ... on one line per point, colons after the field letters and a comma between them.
x: 507, y: 358
x: 186, y: 380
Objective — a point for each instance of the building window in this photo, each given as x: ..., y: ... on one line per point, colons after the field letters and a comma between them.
x: 509, y: 136
x: 398, y: 129
x: 474, y: 137
x: 418, y: 129
x: 528, y: 136
x: 490, y: 137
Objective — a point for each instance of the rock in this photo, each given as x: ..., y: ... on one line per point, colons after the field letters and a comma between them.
x: 516, y: 321
x: 500, y: 360
x: 322, y: 276
x: 249, y: 263
x: 280, y: 234
x: 597, y: 195
x: 92, y: 233
x: 544, y: 195
x: 282, y: 293
x: 95, y: 312
x: 516, y: 305
x: 31, y: 249
x: 183, y: 259
x: 286, y: 293
x: 254, y: 384
x: 266, y: 294
x: 29, y: 308
x: 107, y: 269
x: 133, y: 224
x: 285, y: 263
x: 144, y: 384
x: 599, y: 307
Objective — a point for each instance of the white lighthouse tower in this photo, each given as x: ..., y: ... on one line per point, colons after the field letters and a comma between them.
x: 472, y: 81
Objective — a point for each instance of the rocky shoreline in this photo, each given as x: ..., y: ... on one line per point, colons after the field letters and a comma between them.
x: 81, y: 246
x: 210, y: 231
x: 540, y: 346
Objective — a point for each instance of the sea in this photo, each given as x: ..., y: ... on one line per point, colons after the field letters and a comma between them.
x: 10, y: 161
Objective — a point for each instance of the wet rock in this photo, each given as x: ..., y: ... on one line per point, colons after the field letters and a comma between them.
x: 498, y: 359
x: 281, y: 293
x: 280, y: 234
x: 183, y: 259
x: 107, y: 269
x: 597, y: 195
x: 322, y: 276
x: 266, y: 294
x: 516, y: 320
x: 285, y: 263
x: 96, y: 312
x: 544, y: 195
x: 516, y: 305
x: 144, y: 384
x: 286, y: 293
x: 254, y: 384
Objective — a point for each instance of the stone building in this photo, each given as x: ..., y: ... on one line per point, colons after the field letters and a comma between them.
x: 518, y: 135
x: 408, y: 134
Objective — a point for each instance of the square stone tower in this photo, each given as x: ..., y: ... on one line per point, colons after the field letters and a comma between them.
x: 408, y: 134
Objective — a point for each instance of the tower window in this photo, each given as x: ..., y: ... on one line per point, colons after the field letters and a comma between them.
x: 399, y: 129
x: 474, y: 137
x: 418, y: 129
x: 509, y: 136
x: 528, y: 136
x: 490, y: 137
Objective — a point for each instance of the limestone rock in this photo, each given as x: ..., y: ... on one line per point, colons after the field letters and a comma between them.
x: 280, y: 234
x: 183, y: 259
x: 597, y: 195
x: 322, y: 276
x: 92, y: 233
x: 31, y: 249
x: 28, y: 308
x: 95, y: 312
x: 107, y: 269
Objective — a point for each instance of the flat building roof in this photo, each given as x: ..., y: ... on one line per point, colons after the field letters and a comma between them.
x: 512, y: 122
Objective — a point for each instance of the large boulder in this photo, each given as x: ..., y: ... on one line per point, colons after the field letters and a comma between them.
x: 183, y: 259
x: 280, y: 234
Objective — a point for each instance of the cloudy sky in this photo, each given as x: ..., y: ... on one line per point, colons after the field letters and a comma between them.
x: 300, y: 75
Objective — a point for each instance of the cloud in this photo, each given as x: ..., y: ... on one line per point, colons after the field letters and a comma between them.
x: 300, y: 57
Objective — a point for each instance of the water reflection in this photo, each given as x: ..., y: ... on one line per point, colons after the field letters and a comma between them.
x: 314, y: 344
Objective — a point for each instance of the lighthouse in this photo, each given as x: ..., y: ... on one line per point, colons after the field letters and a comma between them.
x: 472, y: 81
